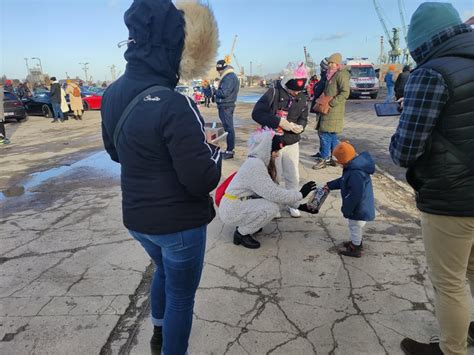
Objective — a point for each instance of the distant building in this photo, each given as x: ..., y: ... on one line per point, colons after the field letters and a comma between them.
x: 35, y: 75
x: 470, y: 21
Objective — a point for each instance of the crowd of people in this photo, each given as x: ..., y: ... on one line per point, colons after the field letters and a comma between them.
x: 168, y: 169
x: 171, y: 171
x: 66, y: 99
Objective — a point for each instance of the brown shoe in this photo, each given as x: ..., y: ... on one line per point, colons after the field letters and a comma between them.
x: 352, y: 250
x: 346, y: 245
x: 321, y: 164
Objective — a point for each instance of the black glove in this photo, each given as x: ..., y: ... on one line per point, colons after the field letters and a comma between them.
x: 307, y: 188
x: 304, y: 208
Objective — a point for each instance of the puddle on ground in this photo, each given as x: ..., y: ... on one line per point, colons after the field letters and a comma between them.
x: 251, y: 99
x: 100, y: 162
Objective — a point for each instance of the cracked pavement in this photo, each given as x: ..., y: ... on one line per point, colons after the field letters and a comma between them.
x: 72, y: 281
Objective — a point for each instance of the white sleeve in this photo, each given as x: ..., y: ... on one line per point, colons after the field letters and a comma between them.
x: 261, y: 183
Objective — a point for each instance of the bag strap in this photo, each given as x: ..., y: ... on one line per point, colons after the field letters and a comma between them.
x: 272, y: 103
x: 131, y: 106
x: 469, y: 163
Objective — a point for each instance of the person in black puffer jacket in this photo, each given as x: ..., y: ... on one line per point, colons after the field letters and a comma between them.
x: 167, y: 167
x: 284, y: 108
x: 401, y: 82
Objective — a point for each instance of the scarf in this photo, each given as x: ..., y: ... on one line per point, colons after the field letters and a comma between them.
x: 331, y: 71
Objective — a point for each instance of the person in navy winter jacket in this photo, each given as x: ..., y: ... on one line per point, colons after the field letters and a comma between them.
x: 356, y: 192
x: 226, y: 96
x: 167, y: 167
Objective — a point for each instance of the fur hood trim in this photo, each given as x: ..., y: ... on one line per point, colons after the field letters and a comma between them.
x: 201, y: 40
x: 227, y: 70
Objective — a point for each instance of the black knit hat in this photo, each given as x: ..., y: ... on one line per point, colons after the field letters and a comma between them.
x: 296, y: 84
x: 221, y: 65
x: 277, y: 143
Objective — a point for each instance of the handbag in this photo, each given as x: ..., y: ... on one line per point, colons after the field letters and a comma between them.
x: 220, y: 191
x: 322, y: 104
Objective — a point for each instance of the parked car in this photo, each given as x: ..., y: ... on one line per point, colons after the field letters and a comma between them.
x: 39, y: 104
x: 189, y: 91
x: 91, y: 99
x: 185, y: 90
x: 13, y: 107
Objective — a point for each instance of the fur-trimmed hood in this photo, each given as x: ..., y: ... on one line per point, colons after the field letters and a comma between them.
x: 169, y: 41
x: 201, y: 40
x: 229, y: 69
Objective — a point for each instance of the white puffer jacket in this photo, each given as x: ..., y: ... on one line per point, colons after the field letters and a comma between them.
x: 252, y: 179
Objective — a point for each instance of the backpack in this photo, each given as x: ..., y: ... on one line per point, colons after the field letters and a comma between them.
x: 220, y: 191
x: 76, y: 92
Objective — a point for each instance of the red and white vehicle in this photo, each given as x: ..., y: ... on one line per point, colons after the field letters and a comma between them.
x: 364, y: 80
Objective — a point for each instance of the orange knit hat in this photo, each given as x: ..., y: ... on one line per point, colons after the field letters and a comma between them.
x: 344, y: 153
x: 391, y: 67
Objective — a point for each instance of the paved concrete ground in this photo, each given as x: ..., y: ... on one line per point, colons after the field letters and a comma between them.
x: 73, y: 282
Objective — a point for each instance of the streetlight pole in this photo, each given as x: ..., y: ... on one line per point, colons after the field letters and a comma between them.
x: 39, y: 60
x: 27, y: 67
x: 85, y: 68
x: 251, y: 74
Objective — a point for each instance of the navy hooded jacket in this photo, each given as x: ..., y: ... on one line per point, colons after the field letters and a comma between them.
x: 167, y: 168
x: 356, y: 188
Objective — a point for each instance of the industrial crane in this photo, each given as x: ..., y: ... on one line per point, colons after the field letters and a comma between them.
x: 394, y: 40
x: 228, y: 58
x: 406, y: 53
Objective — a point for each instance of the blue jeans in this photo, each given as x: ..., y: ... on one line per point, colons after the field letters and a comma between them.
x: 226, y: 115
x: 178, y: 259
x: 389, y: 97
x: 58, y: 113
x: 327, y: 143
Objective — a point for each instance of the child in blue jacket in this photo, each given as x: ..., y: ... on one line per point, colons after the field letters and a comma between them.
x: 357, y: 193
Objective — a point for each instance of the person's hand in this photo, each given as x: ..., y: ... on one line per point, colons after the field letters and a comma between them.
x: 296, y: 128
x: 400, y: 103
x: 287, y: 126
x: 307, y: 188
x: 304, y: 208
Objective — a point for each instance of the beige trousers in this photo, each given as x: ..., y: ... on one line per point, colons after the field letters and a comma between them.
x: 449, y: 247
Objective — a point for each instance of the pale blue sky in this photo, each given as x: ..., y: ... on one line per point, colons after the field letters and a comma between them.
x: 271, y: 32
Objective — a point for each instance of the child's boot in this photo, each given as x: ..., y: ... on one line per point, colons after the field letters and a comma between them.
x: 346, y: 244
x: 352, y: 250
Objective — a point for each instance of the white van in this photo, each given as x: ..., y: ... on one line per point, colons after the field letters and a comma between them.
x: 364, y: 80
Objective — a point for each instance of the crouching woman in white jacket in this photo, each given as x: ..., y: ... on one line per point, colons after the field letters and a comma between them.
x: 253, y: 197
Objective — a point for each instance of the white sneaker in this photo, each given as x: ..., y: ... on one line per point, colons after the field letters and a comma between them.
x: 295, y: 213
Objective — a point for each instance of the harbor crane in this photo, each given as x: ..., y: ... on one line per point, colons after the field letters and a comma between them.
x: 406, y: 53
x: 228, y: 58
x: 395, y: 52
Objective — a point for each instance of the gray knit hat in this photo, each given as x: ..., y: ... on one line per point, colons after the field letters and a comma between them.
x: 428, y: 20
x: 324, y: 64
